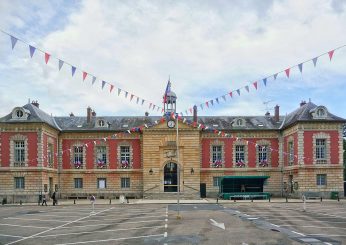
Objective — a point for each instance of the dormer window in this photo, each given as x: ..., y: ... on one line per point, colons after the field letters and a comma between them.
x: 239, y: 122
x: 100, y: 123
x: 20, y: 113
x: 319, y: 112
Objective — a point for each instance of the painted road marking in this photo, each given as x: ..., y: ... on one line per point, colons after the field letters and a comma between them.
x: 119, y: 223
x: 145, y: 217
x: 328, y: 235
x: 60, y: 226
x: 312, y: 226
x: 11, y: 235
x: 301, y: 234
x: 53, y: 215
x: 165, y: 234
x: 108, y: 240
x: 48, y: 220
x: 27, y: 226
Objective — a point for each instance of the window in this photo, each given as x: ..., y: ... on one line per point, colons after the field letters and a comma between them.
x: 320, y: 149
x: 216, y: 181
x: 239, y: 122
x: 19, y: 182
x: 239, y: 153
x: 290, y: 153
x: 320, y: 113
x: 19, y: 151
x: 78, y: 183
x: 262, y: 153
x: 50, y: 151
x: 19, y: 113
x: 101, y: 183
x: 101, y: 154
x: 125, y: 182
x: 101, y: 123
x: 125, y: 154
x: 217, y: 153
x: 78, y: 154
x: 321, y: 179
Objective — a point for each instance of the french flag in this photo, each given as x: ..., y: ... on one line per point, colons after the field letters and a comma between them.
x: 168, y: 89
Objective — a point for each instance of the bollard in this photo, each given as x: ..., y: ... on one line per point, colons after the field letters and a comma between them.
x: 234, y: 200
x: 251, y: 199
x: 110, y: 201
x: 269, y: 198
x: 74, y: 201
x: 338, y: 198
x: 321, y: 199
x: 20, y: 202
x: 217, y: 200
x: 286, y: 199
x: 304, y: 203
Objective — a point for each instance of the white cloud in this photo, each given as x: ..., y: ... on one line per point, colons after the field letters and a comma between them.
x: 208, y: 49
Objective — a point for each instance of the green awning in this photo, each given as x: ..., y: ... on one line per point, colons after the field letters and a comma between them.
x: 244, y: 177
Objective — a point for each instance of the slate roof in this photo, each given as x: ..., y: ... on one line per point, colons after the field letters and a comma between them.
x: 303, y: 114
x: 35, y: 115
x: 119, y: 123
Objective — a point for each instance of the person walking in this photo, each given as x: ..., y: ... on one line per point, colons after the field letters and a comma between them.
x: 44, y: 201
x: 54, y: 198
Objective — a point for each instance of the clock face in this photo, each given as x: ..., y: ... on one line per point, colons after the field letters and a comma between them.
x: 171, y: 124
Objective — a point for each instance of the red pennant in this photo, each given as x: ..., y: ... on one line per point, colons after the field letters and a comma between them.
x: 330, y: 53
x: 215, y: 131
x: 111, y: 88
x: 194, y: 124
x: 131, y: 97
x: 46, y: 57
x: 230, y: 94
x: 207, y: 104
x: 190, y: 110
x: 84, y: 75
x: 287, y: 71
x: 255, y: 85
x: 162, y: 119
x: 162, y: 110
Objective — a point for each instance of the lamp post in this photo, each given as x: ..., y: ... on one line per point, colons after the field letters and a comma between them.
x: 178, y: 171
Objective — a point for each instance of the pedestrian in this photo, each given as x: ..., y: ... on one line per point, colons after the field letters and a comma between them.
x: 92, y: 200
x: 54, y: 198
x: 44, y: 201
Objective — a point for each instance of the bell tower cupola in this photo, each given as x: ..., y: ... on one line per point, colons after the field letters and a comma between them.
x: 169, y: 100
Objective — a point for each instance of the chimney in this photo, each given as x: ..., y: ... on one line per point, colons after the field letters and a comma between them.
x: 267, y: 114
x: 302, y: 103
x: 195, y: 113
x: 277, y: 113
x: 93, y: 113
x: 35, y: 103
x: 146, y: 114
x: 71, y: 114
x: 89, y: 114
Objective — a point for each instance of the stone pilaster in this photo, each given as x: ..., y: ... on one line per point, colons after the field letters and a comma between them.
x: 300, y: 153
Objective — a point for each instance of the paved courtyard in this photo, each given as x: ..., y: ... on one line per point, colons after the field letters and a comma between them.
x: 227, y: 223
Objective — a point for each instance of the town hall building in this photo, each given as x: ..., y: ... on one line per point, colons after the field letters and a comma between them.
x: 157, y: 156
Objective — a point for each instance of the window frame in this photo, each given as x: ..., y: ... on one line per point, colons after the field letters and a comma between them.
x: 216, y: 181
x: 78, y: 183
x: 19, y: 183
x: 99, y: 181
x: 19, y: 151
x: 78, y: 154
x: 125, y: 182
x: 321, y: 181
x: 239, y: 153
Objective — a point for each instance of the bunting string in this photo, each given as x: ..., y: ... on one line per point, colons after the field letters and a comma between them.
x: 85, y: 74
x: 255, y: 85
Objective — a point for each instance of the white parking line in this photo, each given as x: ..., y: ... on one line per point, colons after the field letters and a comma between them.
x: 26, y: 226
x: 88, y: 232
x: 327, y: 235
x: 145, y: 217
x: 312, y: 226
x: 60, y: 226
x: 11, y: 235
x: 301, y: 234
x: 43, y: 220
x: 52, y: 215
x: 119, y: 223
x: 108, y: 240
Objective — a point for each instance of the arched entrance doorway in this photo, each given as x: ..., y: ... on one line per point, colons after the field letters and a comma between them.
x: 170, y: 177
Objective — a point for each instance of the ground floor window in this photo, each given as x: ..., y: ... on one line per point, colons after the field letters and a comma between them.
x: 78, y: 183
x: 216, y: 181
x: 101, y: 183
x: 125, y: 182
x: 19, y: 182
x: 321, y: 179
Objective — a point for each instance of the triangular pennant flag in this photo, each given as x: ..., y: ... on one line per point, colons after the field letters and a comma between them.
x: 32, y: 50
x: 61, y: 63
x: 126, y: 93
x: 131, y: 97
x: 153, y: 107
x: 207, y: 104
x: 314, y: 60
x: 217, y: 100
x: 158, y: 108
x: 224, y: 97
x: 186, y: 112
x: 231, y: 94
x: 255, y: 85
x: 190, y: 110
x: 111, y: 88
x: 330, y: 53
x: 238, y: 91
x: 300, y: 66
x: 275, y: 76
x: 162, y: 110
x: 143, y: 101
x: 73, y: 70
x: 13, y: 41
x: 94, y: 80
x: 119, y: 91
x: 212, y: 102
x: 84, y: 75
x: 137, y: 100
x: 265, y: 81
x: 150, y: 105
x: 201, y: 105
x: 247, y: 88
x: 46, y: 57
x: 287, y: 71
x: 103, y: 84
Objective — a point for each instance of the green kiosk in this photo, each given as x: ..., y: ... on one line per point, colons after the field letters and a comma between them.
x: 242, y: 187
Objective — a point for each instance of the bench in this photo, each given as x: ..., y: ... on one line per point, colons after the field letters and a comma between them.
x: 246, y: 195
x: 312, y: 195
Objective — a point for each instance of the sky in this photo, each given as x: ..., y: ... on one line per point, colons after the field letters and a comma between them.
x: 207, y: 48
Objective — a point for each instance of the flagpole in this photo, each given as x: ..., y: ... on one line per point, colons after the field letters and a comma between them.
x: 178, y: 171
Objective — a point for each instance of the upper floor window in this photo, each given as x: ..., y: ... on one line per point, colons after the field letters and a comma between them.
x: 50, y: 154
x: 239, y: 122
x: 290, y: 153
x: 320, y: 112
x: 262, y: 155
x: 239, y: 153
x: 19, y: 182
x: 217, y: 153
x: 78, y: 156
x: 320, y: 149
x: 19, y: 151
x: 125, y: 153
x: 101, y: 152
x: 19, y: 113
